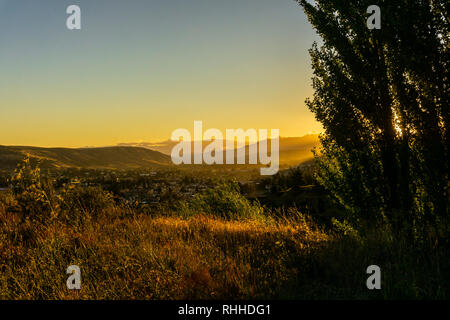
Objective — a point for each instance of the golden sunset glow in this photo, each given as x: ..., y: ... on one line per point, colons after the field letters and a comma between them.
x: 137, y: 72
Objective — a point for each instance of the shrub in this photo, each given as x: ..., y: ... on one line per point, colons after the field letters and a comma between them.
x: 35, y: 195
x: 80, y: 202
x: 225, y: 201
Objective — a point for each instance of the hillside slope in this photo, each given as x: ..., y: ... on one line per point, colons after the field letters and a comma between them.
x: 92, y: 158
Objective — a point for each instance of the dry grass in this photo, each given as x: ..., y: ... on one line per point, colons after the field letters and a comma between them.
x: 217, y: 246
x: 142, y: 257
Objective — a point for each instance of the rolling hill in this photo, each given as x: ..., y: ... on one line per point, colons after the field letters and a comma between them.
x: 91, y: 158
x: 293, y: 151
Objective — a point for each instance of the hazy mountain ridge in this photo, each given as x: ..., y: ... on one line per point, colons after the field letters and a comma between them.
x: 293, y: 150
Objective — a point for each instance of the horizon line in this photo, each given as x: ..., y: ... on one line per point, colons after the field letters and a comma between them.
x: 127, y: 144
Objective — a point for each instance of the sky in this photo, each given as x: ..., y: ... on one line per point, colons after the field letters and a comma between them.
x: 140, y: 69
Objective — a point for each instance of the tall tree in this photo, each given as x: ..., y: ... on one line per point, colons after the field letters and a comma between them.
x: 382, y: 96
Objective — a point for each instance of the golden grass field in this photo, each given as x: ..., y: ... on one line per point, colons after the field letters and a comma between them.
x: 218, y: 245
x: 141, y: 257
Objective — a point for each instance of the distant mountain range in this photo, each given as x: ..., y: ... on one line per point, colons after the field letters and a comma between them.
x: 293, y: 150
x: 134, y: 155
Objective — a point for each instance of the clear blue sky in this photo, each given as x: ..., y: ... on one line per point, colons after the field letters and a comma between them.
x: 140, y: 69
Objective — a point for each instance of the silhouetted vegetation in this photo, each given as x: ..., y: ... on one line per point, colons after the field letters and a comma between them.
x: 383, y: 98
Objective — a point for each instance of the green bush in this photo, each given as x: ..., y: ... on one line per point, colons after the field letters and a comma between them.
x: 225, y: 201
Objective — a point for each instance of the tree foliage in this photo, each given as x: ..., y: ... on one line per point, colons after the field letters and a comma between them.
x: 382, y: 97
